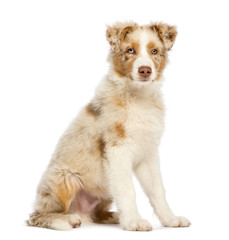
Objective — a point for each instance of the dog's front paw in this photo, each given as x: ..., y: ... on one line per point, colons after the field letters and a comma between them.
x: 137, y: 225
x: 177, y: 222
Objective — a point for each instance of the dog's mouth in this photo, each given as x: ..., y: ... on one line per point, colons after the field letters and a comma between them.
x: 142, y: 79
x: 145, y: 80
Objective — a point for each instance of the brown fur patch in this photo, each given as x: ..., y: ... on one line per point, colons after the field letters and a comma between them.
x: 159, y: 59
x: 162, y: 65
x: 166, y: 33
x: 45, y: 194
x: 150, y: 46
x: 123, y: 61
x: 155, y: 57
x: 131, y: 44
x: 119, y: 103
x: 101, y: 146
x: 119, y: 129
x: 124, y: 33
x: 93, y: 109
x: 65, y: 194
x: 103, y: 216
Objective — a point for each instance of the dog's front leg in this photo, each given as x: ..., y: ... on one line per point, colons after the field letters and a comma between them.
x: 118, y: 168
x: 149, y: 176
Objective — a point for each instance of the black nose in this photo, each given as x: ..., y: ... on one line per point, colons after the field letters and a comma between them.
x: 145, y: 71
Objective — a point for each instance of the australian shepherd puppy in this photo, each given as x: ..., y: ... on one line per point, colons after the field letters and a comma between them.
x: 116, y: 134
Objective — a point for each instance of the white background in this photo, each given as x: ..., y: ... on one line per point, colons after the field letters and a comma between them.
x: 53, y: 55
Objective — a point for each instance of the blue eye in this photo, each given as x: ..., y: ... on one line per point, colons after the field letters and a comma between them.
x: 131, y: 50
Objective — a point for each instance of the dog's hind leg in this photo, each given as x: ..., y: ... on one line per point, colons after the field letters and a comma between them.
x: 55, y: 221
x: 55, y: 194
x: 101, y: 213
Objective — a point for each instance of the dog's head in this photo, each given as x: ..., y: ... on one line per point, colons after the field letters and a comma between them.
x: 140, y: 52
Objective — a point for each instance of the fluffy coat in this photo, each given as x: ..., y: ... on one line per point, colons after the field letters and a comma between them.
x: 116, y: 134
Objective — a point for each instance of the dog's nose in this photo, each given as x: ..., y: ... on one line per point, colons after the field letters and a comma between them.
x: 145, y: 71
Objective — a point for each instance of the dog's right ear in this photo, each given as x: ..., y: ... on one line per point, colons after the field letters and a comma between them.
x: 116, y: 34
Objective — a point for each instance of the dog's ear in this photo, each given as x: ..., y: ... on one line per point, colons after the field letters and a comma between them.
x: 116, y: 34
x: 166, y: 33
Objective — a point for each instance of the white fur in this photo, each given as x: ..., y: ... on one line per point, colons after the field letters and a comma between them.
x: 144, y: 59
x: 140, y: 153
x: 59, y: 224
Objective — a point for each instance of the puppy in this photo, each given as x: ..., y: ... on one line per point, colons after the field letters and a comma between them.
x: 116, y: 134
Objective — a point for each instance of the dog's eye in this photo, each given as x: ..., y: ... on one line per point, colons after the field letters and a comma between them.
x: 131, y: 50
x: 154, y: 51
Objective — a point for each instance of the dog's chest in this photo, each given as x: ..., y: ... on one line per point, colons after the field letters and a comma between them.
x: 144, y: 122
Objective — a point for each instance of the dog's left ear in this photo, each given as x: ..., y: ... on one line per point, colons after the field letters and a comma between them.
x: 166, y: 33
